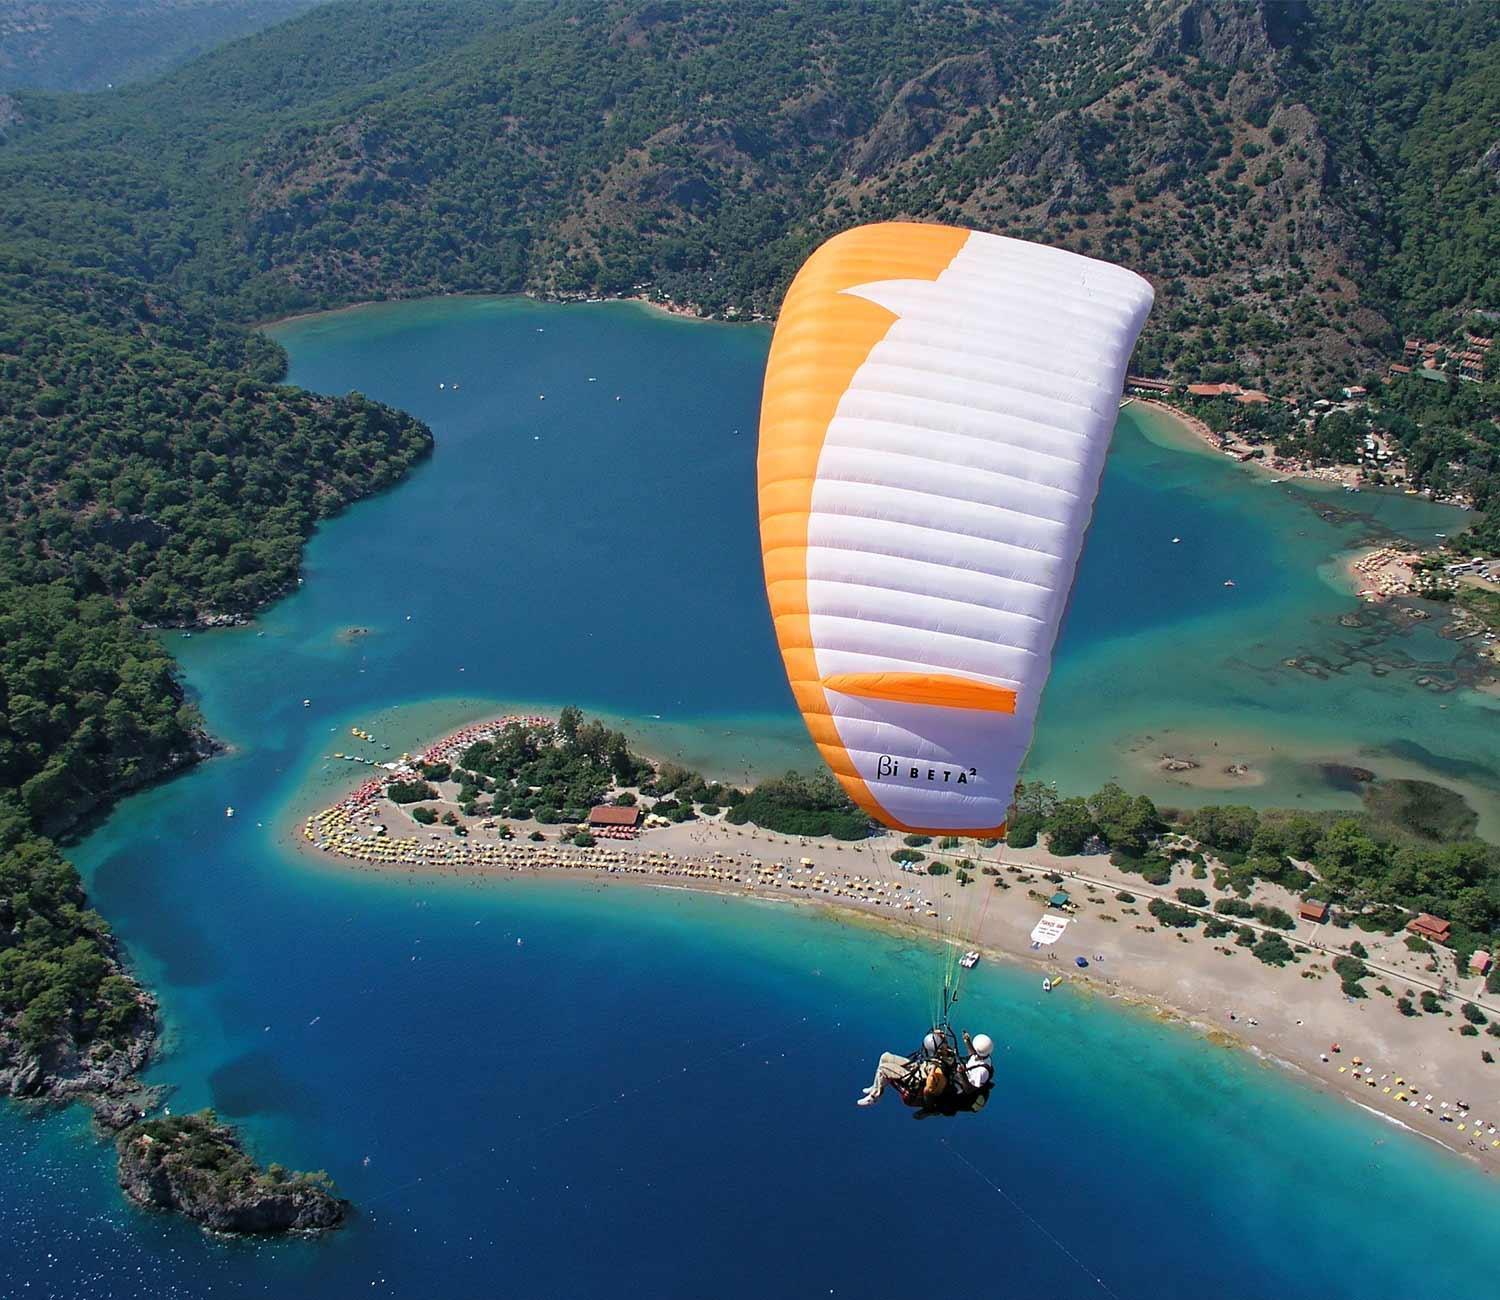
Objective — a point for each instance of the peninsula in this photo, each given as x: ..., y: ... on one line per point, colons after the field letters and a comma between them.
x: 1280, y: 932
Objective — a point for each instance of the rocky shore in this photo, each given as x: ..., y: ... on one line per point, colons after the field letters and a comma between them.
x: 196, y: 1166
x: 101, y: 1075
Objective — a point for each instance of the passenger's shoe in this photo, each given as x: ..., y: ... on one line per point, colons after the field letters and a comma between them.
x: 869, y: 1099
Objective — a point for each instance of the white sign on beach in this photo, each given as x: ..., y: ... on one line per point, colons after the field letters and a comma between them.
x: 1049, y: 929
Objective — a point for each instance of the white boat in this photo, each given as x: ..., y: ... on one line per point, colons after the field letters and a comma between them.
x: 229, y: 812
x: 969, y: 960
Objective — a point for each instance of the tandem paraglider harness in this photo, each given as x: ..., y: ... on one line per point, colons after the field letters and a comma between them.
x: 955, y: 1097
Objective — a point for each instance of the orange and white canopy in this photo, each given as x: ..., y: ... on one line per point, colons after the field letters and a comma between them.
x: 938, y: 406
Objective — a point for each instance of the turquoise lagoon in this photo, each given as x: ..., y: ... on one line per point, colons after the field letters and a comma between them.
x: 560, y: 1088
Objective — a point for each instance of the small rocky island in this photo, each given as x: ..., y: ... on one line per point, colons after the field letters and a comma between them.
x: 196, y: 1166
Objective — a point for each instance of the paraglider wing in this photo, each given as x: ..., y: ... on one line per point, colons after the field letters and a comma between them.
x: 938, y: 405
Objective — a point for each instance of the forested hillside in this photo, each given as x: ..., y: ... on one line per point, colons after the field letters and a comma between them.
x: 91, y: 44
x: 1301, y: 181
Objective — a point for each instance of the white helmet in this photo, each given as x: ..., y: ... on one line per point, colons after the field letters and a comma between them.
x: 931, y: 1043
x: 983, y: 1045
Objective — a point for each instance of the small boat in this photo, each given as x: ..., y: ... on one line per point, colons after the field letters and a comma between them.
x: 1229, y: 582
x: 229, y: 812
x: 969, y: 960
x: 307, y: 704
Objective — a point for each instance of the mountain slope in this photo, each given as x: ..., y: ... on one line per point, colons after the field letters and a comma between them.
x: 91, y: 44
x: 371, y: 150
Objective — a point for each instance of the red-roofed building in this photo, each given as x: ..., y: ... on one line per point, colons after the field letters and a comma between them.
x: 1398, y: 369
x: 1313, y: 910
x: 612, y: 816
x: 1213, y: 390
x: 1480, y: 963
x: 1431, y: 927
x: 1252, y: 397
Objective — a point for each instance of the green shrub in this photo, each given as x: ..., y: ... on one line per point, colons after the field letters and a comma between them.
x: 1170, y: 914
x: 1275, y: 917
x: 1023, y: 832
x: 1430, y: 1003
x: 908, y: 857
x: 409, y: 791
x: 917, y: 841
x: 1156, y: 871
x: 424, y: 815
x: 1192, y: 897
x: 1350, y: 969
x: 1474, y: 1015
x: 1273, y: 950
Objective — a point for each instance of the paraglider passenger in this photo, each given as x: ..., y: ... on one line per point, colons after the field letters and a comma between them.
x: 894, y: 1068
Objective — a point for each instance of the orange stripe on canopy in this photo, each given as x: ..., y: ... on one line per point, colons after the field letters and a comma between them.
x: 942, y: 689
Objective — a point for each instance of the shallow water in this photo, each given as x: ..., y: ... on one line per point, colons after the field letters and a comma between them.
x: 653, y: 1088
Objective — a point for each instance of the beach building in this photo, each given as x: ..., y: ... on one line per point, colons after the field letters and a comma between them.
x: 610, y: 816
x: 1141, y: 384
x: 1313, y: 910
x: 1059, y: 899
x: 1480, y: 963
x: 1430, y: 927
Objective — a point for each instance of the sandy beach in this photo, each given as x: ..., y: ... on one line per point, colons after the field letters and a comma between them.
x: 1379, y: 574
x: 1414, y: 1070
x: 1231, y: 445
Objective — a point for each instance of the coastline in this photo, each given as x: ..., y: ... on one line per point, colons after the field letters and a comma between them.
x: 1289, y: 1017
x: 686, y: 311
x: 1242, y: 452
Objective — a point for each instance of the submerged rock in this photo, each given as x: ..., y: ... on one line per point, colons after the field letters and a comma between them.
x: 196, y: 1166
x: 1169, y: 763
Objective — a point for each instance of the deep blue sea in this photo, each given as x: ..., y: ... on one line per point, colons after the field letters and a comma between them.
x: 563, y: 1089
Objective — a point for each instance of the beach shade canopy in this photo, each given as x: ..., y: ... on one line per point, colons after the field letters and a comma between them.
x: 938, y: 404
